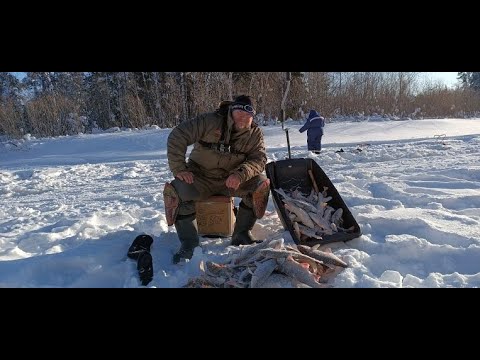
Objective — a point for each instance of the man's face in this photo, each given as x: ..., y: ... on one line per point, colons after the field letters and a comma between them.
x: 243, y: 119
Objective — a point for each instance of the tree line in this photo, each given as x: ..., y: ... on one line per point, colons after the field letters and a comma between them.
x: 61, y: 103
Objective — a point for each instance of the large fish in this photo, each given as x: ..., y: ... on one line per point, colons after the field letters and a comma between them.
x: 298, y: 202
x: 337, y: 217
x: 327, y: 214
x: 311, y: 233
x: 301, y: 214
x: 250, y: 251
x: 297, y: 194
x: 295, y: 270
x: 262, y: 272
x: 295, y: 254
x: 325, y: 257
x: 321, y: 222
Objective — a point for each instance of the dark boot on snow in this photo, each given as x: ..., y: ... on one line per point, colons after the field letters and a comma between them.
x: 187, y: 231
x: 145, y: 267
x: 141, y: 244
x: 243, y: 224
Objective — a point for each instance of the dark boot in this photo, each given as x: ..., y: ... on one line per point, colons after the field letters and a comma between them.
x: 243, y: 224
x: 187, y: 231
x: 141, y: 244
x: 145, y: 267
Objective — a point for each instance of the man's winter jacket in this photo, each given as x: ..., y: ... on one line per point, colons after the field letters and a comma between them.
x: 246, y: 156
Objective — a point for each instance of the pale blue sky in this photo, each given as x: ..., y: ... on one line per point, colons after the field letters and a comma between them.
x: 449, y: 78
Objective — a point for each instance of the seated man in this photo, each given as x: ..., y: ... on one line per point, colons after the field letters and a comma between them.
x: 228, y: 159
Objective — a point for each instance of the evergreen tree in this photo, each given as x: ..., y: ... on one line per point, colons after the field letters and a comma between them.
x: 470, y: 79
x: 99, y: 109
x: 69, y: 84
x: 475, y: 80
x: 12, y: 120
x: 10, y: 87
x: 39, y: 83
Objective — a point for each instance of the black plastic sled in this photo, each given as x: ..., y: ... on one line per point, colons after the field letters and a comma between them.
x: 293, y: 174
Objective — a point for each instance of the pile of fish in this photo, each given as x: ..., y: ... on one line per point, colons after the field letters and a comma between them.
x: 311, y: 216
x: 271, y: 264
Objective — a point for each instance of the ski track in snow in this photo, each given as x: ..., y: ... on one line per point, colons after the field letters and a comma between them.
x: 70, y: 225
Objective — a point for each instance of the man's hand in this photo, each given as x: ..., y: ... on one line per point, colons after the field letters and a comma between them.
x: 186, y: 176
x: 233, y: 182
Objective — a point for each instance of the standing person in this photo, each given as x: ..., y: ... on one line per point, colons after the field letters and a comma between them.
x: 228, y: 159
x: 314, y: 126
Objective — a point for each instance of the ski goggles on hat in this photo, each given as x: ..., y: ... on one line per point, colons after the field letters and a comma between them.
x: 247, y: 108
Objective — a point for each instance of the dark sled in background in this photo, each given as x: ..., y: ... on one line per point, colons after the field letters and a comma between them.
x: 293, y: 174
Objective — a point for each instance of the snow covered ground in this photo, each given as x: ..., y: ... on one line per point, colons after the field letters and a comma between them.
x: 71, y: 206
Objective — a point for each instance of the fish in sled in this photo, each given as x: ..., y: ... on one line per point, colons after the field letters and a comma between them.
x: 308, y: 204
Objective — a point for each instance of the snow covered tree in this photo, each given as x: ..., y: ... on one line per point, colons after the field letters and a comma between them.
x: 38, y: 83
x: 10, y: 86
x: 470, y: 79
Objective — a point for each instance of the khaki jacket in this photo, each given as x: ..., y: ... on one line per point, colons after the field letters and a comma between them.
x: 247, y: 157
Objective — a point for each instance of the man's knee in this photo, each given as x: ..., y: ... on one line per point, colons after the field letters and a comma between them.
x: 260, y: 197
x: 172, y: 203
x: 255, y: 181
x: 186, y: 192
